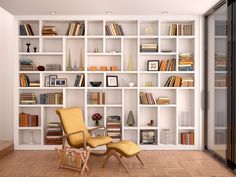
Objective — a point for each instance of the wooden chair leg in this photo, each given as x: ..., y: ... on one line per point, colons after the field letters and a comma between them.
x: 139, y: 159
x: 106, y: 159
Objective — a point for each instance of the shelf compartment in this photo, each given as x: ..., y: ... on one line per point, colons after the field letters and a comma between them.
x: 106, y: 61
x: 31, y: 111
x: 186, y: 108
x: 149, y: 41
x: 148, y: 137
x: 149, y: 28
x: 148, y: 80
x: 167, y: 120
x: 168, y: 44
x: 93, y: 110
x: 125, y: 79
x: 129, y: 27
x: 186, y: 137
x: 164, y: 77
x: 29, y: 137
x: 43, y: 60
x: 131, y: 135
x: 97, y: 77
x: 130, y: 47
x: 34, y: 42
x: 34, y: 25
x: 113, y: 46
x: 75, y: 101
x: 146, y: 115
x: 52, y: 45
x: 186, y: 46
x: 130, y: 104
x: 95, y: 45
x: 33, y: 78
x: 95, y: 28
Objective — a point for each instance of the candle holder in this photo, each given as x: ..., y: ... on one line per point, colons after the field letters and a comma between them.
x: 28, y: 45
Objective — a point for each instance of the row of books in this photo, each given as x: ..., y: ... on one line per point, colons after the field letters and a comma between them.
x: 167, y: 65
x: 146, y: 98
x: 26, y: 30
x: 28, y: 120
x: 187, y: 138
x: 28, y: 98
x: 114, y: 29
x: 75, y: 29
x: 114, y: 128
x: 80, y: 80
x: 181, y: 30
x: 148, y: 48
x: 177, y: 81
x: 51, y: 98
x: 25, y: 81
x: 97, y: 98
x: 54, y: 134
x: 27, y: 65
x: 53, y: 67
x: 49, y: 31
x: 185, y: 62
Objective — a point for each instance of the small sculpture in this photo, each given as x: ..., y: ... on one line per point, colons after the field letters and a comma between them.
x: 81, y: 67
x: 151, y: 123
x: 130, y: 64
x: 68, y: 67
x: 75, y: 68
x: 35, y: 49
x: 28, y: 45
x: 130, y: 119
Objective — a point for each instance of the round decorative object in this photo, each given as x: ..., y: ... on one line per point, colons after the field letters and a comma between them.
x: 96, y: 116
x: 95, y: 83
x: 41, y: 68
x: 131, y: 84
x: 148, y: 31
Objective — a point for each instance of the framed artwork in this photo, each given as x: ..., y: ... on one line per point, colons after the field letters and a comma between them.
x: 46, y: 84
x: 60, y: 82
x: 147, y: 136
x: 153, y: 65
x: 112, y: 81
x: 52, y: 79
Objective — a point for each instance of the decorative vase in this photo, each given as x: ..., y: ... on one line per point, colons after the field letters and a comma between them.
x: 130, y: 64
x: 81, y: 67
x: 96, y: 123
x: 75, y: 68
x: 68, y: 66
x: 130, y: 119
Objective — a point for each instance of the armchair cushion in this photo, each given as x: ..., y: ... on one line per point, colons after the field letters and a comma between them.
x: 98, y: 141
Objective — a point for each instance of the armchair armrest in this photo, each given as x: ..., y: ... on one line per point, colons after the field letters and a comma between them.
x: 98, y: 127
x: 66, y: 136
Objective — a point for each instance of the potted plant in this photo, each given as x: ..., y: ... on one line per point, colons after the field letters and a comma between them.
x: 96, y: 117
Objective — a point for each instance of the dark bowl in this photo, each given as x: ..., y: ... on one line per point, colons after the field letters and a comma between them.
x: 95, y: 83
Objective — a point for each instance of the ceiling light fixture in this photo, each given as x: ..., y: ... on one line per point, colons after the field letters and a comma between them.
x: 53, y: 13
x: 109, y: 12
x: 164, y: 13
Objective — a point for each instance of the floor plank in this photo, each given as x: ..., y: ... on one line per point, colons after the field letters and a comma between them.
x: 157, y: 164
x: 6, y: 147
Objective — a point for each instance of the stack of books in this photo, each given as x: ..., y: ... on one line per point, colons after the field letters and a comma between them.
x: 28, y: 98
x: 54, y: 134
x: 27, y: 120
x: 148, y: 48
x: 26, y: 30
x: 49, y: 31
x: 53, y: 67
x: 220, y: 62
x: 27, y: 65
x: 75, y: 29
x: 114, y: 29
x: 146, y: 98
x: 167, y: 65
x: 163, y: 100
x: 187, y: 138
x: 97, y: 98
x: 185, y: 29
x: 187, y: 82
x: 80, y: 81
x: 185, y: 62
x: 25, y: 81
x: 173, y: 81
x: 51, y: 98
x: 114, y: 128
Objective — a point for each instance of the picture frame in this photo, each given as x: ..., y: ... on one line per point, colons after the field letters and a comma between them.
x: 153, y: 65
x: 60, y: 82
x: 148, y: 136
x: 52, y: 79
x: 46, y: 81
x: 112, y: 81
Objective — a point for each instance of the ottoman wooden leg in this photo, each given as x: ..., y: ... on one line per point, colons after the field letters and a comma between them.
x: 139, y: 160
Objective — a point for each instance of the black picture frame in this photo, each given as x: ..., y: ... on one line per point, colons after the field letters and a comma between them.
x: 153, y: 65
x: 52, y: 79
x: 112, y: 81
x: 60, y: 82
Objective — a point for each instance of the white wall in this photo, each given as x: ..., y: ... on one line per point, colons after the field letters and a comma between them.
x: 7, y: 65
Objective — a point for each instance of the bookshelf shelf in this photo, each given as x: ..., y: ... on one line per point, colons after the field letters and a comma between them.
x: 122, y: 53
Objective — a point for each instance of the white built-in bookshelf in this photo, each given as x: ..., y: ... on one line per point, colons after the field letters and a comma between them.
x: 112, y: 51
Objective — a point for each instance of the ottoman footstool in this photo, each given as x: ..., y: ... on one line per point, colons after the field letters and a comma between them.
x: 122, y: 149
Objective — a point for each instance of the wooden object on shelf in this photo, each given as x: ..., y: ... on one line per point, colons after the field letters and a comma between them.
x: 103, y: 68
x: 113, y: 68
x: 163, y: 100
x: 92, y: 68
x: 81, y: 66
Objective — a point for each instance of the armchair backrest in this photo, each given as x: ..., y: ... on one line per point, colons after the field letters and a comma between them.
x: 72, y: 121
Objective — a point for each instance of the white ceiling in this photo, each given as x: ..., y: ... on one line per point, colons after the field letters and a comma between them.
x: 99, y: 7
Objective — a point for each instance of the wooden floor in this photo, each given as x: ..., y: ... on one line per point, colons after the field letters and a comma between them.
x: 6, y: 147
x: 157, y: 164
